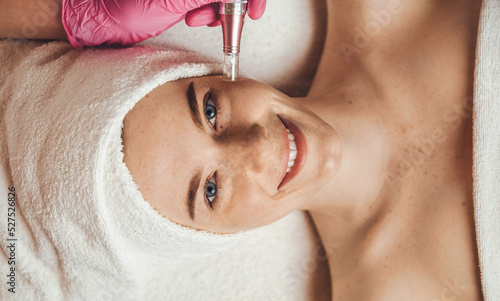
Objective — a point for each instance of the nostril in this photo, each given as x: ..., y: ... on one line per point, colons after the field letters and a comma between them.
x: 259, y: 130
x: 264, y: 130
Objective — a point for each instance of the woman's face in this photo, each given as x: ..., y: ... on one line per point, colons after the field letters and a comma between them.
x: 220, y: 172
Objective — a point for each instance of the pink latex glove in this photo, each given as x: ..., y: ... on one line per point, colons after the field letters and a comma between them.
x: 124, y: 22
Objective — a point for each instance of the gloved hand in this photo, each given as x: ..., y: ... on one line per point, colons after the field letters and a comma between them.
x: 96, y: 22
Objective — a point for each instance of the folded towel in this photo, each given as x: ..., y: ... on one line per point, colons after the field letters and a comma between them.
x: 486, y: 168
x: 86, y: 232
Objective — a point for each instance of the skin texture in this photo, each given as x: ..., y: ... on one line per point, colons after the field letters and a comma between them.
x: 31, y: 19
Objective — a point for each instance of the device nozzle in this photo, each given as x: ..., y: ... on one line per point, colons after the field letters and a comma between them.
x: 231, y: 66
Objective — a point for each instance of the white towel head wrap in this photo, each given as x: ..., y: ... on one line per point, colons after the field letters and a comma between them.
x: 64, y: 127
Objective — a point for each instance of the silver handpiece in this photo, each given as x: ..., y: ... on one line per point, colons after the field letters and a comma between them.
x: 232, y: 18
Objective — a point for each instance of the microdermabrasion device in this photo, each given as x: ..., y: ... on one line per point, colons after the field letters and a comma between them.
x: 232, y: 16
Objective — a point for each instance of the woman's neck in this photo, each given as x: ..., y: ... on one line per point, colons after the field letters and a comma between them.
x: 346, y: 94
x: 365, y: 95
x: 357, y: 191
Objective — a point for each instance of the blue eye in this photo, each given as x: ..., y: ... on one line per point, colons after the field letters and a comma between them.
x: 211, y: 108
x: 211, y: 191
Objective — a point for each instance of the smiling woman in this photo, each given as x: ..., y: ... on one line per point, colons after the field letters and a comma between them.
x: 226, y: 143
x: 203, y: 160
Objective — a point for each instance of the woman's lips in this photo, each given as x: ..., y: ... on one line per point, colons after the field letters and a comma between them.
x: 300, y: 160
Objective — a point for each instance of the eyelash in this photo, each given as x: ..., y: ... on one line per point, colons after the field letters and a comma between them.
x: 215, y: 101
x: 206, y: 99
x: 216, y: 197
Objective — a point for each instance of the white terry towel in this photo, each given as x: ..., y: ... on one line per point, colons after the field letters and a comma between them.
x: 486, y: 168
x: 84, y: 231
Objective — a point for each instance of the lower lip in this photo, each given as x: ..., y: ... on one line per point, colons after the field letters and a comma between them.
x: 300, y: 160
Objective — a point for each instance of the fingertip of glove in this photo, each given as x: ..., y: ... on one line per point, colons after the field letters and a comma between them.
x: 214, y: 24
x: 201, y: 16
x: 256, y: 9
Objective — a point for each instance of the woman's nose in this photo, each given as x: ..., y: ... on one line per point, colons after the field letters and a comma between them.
x: 251, y: 149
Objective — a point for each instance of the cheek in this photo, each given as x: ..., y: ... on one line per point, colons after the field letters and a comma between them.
x: 252, y: 102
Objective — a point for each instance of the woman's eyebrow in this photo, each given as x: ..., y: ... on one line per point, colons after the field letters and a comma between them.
x: 194, y: 185
x: 193, y: 105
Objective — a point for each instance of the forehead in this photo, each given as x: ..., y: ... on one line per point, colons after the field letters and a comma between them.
x: 159, y: 146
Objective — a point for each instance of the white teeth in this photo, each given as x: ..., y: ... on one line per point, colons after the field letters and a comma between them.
x: 293, y: 150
